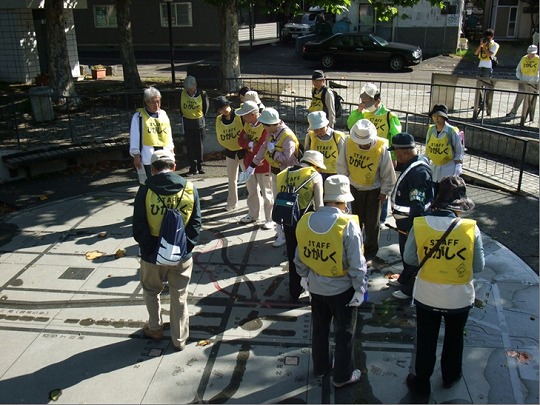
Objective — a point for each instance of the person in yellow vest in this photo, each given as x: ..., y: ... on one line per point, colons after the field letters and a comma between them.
x: 387, y: 123
x: 444, y: 285
x: 150, y: 130
x: 167, y: 186
x: 443, y: 147
x: 310, y: 198
x: 228, y: 128
x: 365, y: 159
x: 322, y: 138
x: 281, y: 152
x: 333, y: 269
x: 528, y: 75
x: 252, y: 95
x: 322, y: 98
x: 193, y: 109
x: 486, y: 51
x: 259, y: 183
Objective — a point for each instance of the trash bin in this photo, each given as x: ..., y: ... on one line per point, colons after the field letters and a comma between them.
x: 208, y: 75
x: 42, y: 108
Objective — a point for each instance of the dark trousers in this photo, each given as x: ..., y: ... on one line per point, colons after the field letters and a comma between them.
x: 408, y: 275
x: 295, y: 289
x: 194, y: 144
x: 367, y: 206
x: 427, y: 333
x: 324, y: 309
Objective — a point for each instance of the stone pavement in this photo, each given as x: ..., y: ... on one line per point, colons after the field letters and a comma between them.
x: 70, y: 322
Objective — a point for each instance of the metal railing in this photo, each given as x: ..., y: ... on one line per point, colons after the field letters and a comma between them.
x: 502, y: 151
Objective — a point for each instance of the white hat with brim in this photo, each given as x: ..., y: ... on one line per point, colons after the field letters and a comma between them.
x: 252, y: 96
x: 370, y: 90
x: 189, y: 82
x: 337, y: 188
x: 247, y: 107
x: 363, y: 132
x: 532, y: 49
x: 317, y: 120
x: 269, y: 116
x: 314, y: 157
x: 163, y: 155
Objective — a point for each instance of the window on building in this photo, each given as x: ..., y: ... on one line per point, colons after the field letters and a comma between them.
x: 180, y: 15
x: 105, y: 16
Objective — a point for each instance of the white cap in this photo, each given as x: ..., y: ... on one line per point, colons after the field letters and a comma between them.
x: 370, y: 89
x: 532, y: 49
x: 363, y: 132
x: 269, y: 116
x: 162, y: 154
x: 189, y: 82
x: 314, y: 157
x: 252, y: 96
x: 337, y: 188
x: 317, y: 119
x: 247, y: 107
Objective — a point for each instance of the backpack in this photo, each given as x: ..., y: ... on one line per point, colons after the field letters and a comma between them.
x: 338, y: 108
x: 172, y: 242
x: 286, y: 210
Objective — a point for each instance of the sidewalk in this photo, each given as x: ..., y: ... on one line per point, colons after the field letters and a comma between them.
x: 73, y: 324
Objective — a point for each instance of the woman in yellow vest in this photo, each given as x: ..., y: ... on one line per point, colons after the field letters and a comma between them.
x: 528, y: 75
x: 444, y: 285
x: 443, y: 147
x: 228, y: 128
x: 193, y: 108
x: 333, y: 269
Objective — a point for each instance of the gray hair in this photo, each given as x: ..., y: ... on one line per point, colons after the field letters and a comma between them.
x: 151, y: 92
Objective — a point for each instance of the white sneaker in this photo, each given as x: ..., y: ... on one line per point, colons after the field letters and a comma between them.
x: 268, y: 225
x: 280, y: 241
x: 394, y: 283
x: 247, y: 219
x: 400, y: 295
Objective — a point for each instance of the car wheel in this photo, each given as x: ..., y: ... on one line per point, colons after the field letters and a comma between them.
x: 328, y: 61
x: 397, y: 63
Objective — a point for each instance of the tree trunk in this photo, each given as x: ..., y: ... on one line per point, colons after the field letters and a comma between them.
x: 61, y: 79
x: 230, y: 48
x: 132, y: 80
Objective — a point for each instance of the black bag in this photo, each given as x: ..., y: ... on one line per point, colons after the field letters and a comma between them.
x: 494, y: 61
x: 172, y: 242
x: 338, y: 108
x: 286, y: 210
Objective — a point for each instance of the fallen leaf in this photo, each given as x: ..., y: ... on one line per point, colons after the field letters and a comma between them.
x: 43, y: 198
x: 102, y: 234
x: 203, y: 343
x: 93, y: 254
x: 120, y: 253
x: 55, y: 394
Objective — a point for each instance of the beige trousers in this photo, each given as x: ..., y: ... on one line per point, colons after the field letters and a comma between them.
x: 232, y: 176
x: 260, y: 184
x: 152, y: 278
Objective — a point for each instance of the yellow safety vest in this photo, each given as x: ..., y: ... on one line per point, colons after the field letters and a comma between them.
x: 227, y: 134
x: 279, y: 146
x: 363, y: 164
x: 155, y: 131
x: 323, y: 253
x: 380, y: 121
x: 155, y: 210
x: 295, y: 179
x: 453, y: 262
x: 254, y: 133
x: 317, y: 103
x: 191, y: 107
x: 482, y: 55
x: 328, y: 148
x: 439, y: 150
x: 529, y: 66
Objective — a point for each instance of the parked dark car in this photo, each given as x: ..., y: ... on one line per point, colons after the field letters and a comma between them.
x: 356, y: 48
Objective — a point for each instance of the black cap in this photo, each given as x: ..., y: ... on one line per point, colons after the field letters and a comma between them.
x: 318, y: 75
x: 221, y: 101
x: 403, y: 140
x: 439, y: 109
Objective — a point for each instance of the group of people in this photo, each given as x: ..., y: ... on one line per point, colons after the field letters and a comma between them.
x: 343, y: 181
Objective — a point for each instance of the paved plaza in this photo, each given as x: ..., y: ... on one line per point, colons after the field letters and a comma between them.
x: 71, y: 317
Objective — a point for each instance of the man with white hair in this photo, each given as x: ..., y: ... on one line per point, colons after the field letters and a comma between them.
x: 150, y: 131
x: 365, y: 159
x: 528, y: 75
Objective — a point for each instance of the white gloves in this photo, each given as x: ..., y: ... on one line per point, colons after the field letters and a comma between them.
x: 250, y: 170
x: 458, y: 170
x: 357, y: 300
x: 271, y: 147
x: 304, y: 283
x: 244, y: 176
x: 250, y: 145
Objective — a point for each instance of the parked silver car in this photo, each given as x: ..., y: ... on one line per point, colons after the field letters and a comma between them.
x: 301, y: 24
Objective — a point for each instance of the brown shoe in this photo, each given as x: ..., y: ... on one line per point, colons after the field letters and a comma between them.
x: 154, y: 334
